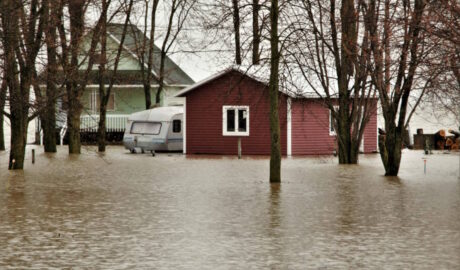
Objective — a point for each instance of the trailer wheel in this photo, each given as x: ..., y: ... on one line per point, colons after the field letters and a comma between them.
x: 153, y: 153
x: 142, y: 151
x: 133, y: 151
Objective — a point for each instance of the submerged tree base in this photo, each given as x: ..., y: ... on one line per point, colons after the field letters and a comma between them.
x: 390, y: 153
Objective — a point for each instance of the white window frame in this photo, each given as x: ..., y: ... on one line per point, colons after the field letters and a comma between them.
x: 332, y: 132
x: 225, y: 108
x: 94, y: 99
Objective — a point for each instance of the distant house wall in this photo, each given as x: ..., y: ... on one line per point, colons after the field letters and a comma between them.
x: 204, y: 116
x: 370, y: 133
x: 311, y: 129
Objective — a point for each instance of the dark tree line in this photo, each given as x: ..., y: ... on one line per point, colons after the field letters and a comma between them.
x: 71, y: 45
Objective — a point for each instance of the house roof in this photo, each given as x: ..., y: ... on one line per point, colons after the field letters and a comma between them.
x: 295, y: 86
x: 257, y: 73
x: 134, y: 37
x: 174, y: 75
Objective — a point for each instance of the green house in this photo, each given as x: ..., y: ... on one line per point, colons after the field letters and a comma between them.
x: 127, y: 94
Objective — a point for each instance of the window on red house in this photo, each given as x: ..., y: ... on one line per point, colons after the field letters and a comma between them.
x: 235, y: 121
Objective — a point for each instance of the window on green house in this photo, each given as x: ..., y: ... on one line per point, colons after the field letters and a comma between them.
x: 95, y: 101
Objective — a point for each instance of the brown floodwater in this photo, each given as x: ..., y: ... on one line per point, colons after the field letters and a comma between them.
x: 133, y: 211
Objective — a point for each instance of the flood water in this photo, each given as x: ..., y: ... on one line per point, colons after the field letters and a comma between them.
x: 126, y: 211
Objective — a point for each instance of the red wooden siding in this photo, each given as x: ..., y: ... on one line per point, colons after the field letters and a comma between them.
x: 204, y: 116
x: 370, y: 133
x: 310, y: 129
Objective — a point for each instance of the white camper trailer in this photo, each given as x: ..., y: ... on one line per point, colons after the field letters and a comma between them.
x: 158, y: 129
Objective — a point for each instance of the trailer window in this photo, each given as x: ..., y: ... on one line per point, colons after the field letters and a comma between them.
x: 149, y: 128
x: 235, y: 121
x: 176, y: 126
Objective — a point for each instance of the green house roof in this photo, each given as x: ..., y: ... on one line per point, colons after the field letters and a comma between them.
x: 174, y: 75
x: 134, y: 37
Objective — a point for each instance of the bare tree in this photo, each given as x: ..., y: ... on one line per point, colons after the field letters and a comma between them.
x: 234, y: 30
x: 178, y: 15
x: 75, y: 81
x: 69, y: 58
x: 443, y: 29
x: 144, y: 51
x: 22, y: 36
x: 104, y: 93
x: 397, y: 53
x: 327, y: 52
x: 48, y: 115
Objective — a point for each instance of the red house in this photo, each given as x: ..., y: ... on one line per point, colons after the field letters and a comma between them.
x: 233, y: 104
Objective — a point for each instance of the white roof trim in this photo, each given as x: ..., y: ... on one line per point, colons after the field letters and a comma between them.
x: 202, y: 82
x: 223, y: 72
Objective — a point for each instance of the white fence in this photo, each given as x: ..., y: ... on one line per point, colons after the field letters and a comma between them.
x: 113, y: 122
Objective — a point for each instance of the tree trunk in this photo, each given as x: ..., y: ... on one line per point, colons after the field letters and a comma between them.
x: 19, y: 121
x: 2, y: 118
x: 18, y: 89
x: 348, y: 153
x: 48, y: 117
x: 2, y: 135
x: 236, y: 25
x: 148, y: 76
x: 255, y: 32
x: 101, y: 131
x: 19, y: 125
x: 348, y: 150
x: 73, y: 120
x: 103, y: 96
x: 275, y: 151
x: 74, y: 90
x: 103, y: 99
x: 162, y: 71
x: 390, y: 146
x: 148, y: 96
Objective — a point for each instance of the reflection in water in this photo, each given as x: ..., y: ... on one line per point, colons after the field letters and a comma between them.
x: 275, y: 219
x: 276, y: 252
x: 346, y: 200
x: 124, y: 211
x: 15, y: 202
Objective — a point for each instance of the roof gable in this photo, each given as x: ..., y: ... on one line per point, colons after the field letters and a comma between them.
x: 251, y: 73
x: 173, y: 73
